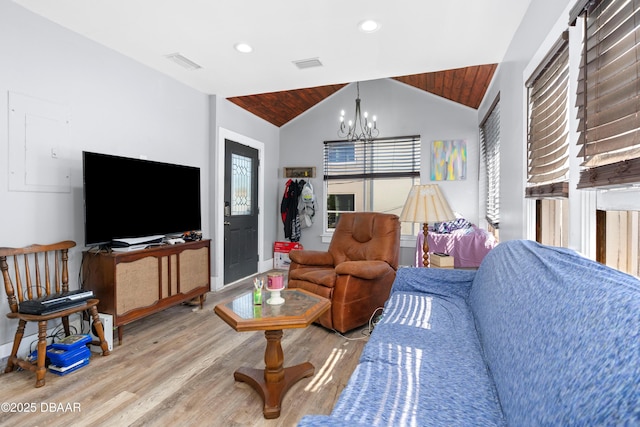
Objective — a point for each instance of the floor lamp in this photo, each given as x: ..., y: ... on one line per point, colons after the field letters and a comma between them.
x: 426, y: 204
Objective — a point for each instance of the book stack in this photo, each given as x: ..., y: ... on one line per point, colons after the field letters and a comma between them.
x: 69, y: 354
x: 441, y: 260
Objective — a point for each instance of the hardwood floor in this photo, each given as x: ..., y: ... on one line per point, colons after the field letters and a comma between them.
x: 176, y: 368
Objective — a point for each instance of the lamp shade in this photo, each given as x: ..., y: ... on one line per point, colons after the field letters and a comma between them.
x: 426, y: 204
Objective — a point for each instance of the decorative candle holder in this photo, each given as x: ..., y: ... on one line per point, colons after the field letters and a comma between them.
x: 275, y: 299
x: 275, y: 285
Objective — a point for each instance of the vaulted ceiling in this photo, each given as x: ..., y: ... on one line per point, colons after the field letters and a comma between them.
x: 415, y: 42
x: 466, y: 86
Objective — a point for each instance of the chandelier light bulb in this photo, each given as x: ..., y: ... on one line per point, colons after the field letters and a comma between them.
x: 360, y: 128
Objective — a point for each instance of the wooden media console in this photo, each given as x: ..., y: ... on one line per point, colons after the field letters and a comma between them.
x: 132, y: 285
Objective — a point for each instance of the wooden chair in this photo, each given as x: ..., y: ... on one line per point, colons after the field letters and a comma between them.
x: 37, y: 259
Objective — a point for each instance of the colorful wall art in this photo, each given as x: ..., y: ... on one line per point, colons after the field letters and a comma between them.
x: 449, y: 160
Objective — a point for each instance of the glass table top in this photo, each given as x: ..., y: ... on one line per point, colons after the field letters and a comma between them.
x: 295, y: 303
x: 300, y: 308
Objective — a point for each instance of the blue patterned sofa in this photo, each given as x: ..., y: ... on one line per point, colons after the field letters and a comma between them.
x: 537, y: 336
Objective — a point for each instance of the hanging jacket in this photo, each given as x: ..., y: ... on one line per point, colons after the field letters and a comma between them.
x: 289, y: 211
x: 306, y: 205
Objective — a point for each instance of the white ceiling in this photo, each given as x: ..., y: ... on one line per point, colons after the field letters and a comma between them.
x: 416, y: 36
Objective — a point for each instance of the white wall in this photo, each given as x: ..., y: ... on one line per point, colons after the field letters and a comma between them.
x: 401, y: 110
x: 116, y: 105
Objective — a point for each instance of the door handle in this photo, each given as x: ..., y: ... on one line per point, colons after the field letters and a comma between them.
x: 227, y: 223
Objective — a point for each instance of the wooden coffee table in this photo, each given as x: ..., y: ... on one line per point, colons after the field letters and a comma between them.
x: 298, y: 311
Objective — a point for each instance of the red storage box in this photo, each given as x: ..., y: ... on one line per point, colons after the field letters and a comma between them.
x: 281, y: 254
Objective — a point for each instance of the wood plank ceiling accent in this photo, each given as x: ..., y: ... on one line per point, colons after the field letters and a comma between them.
x: 280, y: 107
x: 466, y: 86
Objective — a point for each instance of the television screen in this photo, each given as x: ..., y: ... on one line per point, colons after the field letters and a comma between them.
x: 133, y: 198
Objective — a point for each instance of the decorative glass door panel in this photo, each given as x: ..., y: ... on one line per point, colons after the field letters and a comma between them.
x: 241, y: 179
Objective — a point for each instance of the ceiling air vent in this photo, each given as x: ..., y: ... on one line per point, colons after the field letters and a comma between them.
x: 183, y: 61
x: 308, y: 63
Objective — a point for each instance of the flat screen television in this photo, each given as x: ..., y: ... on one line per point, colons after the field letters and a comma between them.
x: 127, y: 198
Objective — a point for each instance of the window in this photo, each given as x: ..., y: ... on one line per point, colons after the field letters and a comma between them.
x: 337, y: 204
x: 548, y: 144
x: 370, y: 176
x: 552, y: 221
x: 618, y: 242
x: 608, y: 93
x: 490, y: 152
x: 344, y: 153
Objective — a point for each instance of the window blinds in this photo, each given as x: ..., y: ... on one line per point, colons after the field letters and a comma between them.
x: 609, y: 94
x: 490, y: 151
x: 548, y: 136
x: 381, y: 158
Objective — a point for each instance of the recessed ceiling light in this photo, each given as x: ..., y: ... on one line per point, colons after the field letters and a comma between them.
x: 243, y: 48
x: 369, y: 26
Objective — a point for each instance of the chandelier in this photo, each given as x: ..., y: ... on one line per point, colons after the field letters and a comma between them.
x: 360, y: 128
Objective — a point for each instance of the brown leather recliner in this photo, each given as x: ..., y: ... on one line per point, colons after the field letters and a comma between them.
x: 357, y: 271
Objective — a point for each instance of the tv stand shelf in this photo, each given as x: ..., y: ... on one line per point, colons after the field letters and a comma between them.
x: 132, y: 285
